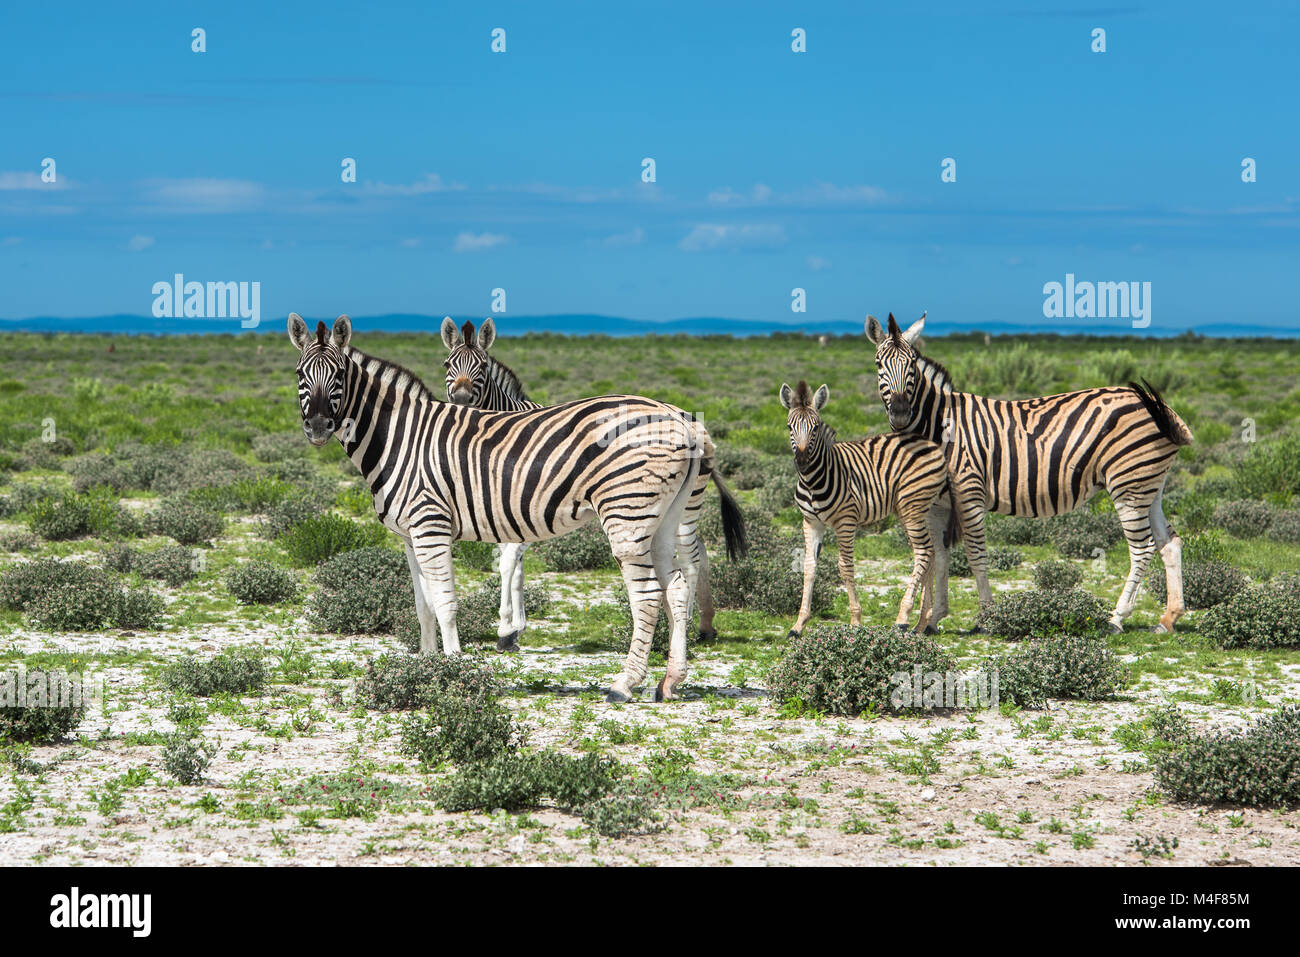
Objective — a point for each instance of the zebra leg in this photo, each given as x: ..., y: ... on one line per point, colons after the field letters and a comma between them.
x: 1171, y: 553
x: 813, y: 531
x: 511, y: 618
x: 918, y: 536
x: 970, y: 505
x: 703, y: 592
x: 677, y: 600
x: 643, y: 593
x: 1136, y: 520
x: 844, y: 536
x: 433, y: 555
x: 428, y: 623
x: 934, y: 600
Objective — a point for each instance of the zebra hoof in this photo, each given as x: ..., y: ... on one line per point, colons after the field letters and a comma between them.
x: 709, y: 635
x: 659, y: 693
x: 1161, y: 630
x: 930, y: 630
x: 792, y: 634
x: 976, y: 630
x: 508, y: 642
x: 617, y: 697
x: 1115, y: 629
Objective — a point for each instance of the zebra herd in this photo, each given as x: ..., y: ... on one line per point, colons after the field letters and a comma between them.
x: 491, y: 465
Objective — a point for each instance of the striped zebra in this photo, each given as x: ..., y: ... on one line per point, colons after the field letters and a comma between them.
x: 847, y: 485
x: 1042, y: 456
x: 477, y: 378
x: 440, y: 472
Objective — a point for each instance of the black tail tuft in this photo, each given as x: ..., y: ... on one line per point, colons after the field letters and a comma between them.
x: 1161, y: 414
x: 733, y: 523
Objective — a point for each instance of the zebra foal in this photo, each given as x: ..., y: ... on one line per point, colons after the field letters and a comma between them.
x: 846, y: 485
x: 440, y: 472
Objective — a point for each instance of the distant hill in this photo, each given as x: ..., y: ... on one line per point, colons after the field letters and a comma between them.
x: 584, y: 325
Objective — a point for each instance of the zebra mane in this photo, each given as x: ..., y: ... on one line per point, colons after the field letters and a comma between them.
x: 505, y: 378
x: 385, y: 369
x: 934, y: 370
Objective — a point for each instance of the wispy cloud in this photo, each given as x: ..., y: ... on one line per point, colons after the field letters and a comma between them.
x: 27, y: 180
x: 205, y: 195
x: 819, y: 194
x: 429, y: 183
x: 138, y: 244
x: 729, y: 197
x: 818, y: 263
x: 477, y: 242
x: 633, y: 237
x: 709, y: 236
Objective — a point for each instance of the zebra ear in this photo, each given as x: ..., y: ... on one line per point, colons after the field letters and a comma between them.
x: 875, y: 332
x: 298, y: 331
x: 449, y: 332
x: 913, y: 333
x: 487, y: 334
x: 787, y: 396
x: 820, y: 399
x: 342, y: 332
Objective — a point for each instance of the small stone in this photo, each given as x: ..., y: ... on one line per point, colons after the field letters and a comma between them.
x: 927, y: 794
x: 516, y: 844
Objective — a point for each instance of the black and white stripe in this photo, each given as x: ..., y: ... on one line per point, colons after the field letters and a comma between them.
x: 1042, y: 456
x: 844, y: 486
x: 439, y: 472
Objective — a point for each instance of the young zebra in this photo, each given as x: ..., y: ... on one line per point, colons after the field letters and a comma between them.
x: 439, y: 472
x: 477, y: 378
x: 846, y: 485
x: 1042, y: 456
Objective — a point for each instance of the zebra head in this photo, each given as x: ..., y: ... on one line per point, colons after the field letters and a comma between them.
x: 808, y: 433
x: 321, y: 378
x: 467, y: 360
x: 896, y: 366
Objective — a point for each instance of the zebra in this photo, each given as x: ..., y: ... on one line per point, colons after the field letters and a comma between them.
x: 477, y: 378
x: 440, y: 472
x: 847, y: 485
x: 1042, y: 456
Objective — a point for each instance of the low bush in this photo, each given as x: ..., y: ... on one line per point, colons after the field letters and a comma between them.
x: 409, y: 682
x: 1079, y: 534
x: 770, y: 578
x: 480, y: 556
x: 284, y: 516
x: 1205, y: 584
x: 1041, y: 614
x: 1244, y: 518
x: 186, y: 757
x: 18, y: 541
x: 321, y: 537
x: 477, y: 610
x: 1271, y: 468
x: 235, y: 672
x: 460, y: 725
x: 260, y: 583
x: 1062, y: 666
x: 44, y: 721
x: 173, y: 564
x: 1000, y: 559
x: 580, y: 550
x: 841, y: 669
x: 74, y: 596
x: 1285, y: 527
x: 186, y: 522
x: 1057, y: 575
x: 1016, y: 530
x: 1260, y: 616
x: 139, y: 610
x: 361, y: 592
x: 76, y: 515
x: 1259, y: 767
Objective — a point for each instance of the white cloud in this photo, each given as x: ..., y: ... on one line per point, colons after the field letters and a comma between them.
x: 818, y: 263
x: 830, y: 194
x: 139, y: 244
x: 410, y: 243
x: 633, y: 237
x: 472, y: 243
x: 205, y: 195
x: 729, y: 197
x: 431, y: 183
x: 706, y: 236
x: 25, y: 180
x: 11, y: 241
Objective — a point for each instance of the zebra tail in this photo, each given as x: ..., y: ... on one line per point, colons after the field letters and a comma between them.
x: 1167, y: 421
x: 952, y: 534
x: 733, y: 523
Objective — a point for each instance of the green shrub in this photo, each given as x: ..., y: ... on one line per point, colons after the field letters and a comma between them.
x: 1259, y: 767
x: 18, y: 541
x: 284, y: 516
x: 98, y: 470
x: 40, y: 722
x: 505, y: 780
x: 22, y: 584
x: 321, y: 537
x: 1271, y: 468
x: 409, y: 682
x: 1194, y: 510
x: 480, y: 556
x: 1080, y: 533
x: 260, y: 583
x: 1000, y: 559
x: 841, y: 669
x: 1016, y: 530
x: 173, y: 564
x: 71, y: 608
x: 235, y: 672
x: 1205, y: 547
x: 121, y: 558
x: 1062, y: 666
x: 770, y: 578
x: 186, y: 757
x: 621, y: 814
x: 1057, y: 575
x: 620, y: 637
x: 582, y: 549
x: 250, y: 494
x: 186, y: 522
x: 1244, y: 518
x: 1041, y: 614
x: 1205, y: 584
x: 361, y: 592
x: 138, y: 610
x: 1261, y: 616
x: 1285, y: 527
x: 477, y: 610
x: 61, y: 518
x: 464, y: 723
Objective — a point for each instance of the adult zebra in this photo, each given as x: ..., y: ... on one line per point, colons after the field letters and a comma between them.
x: 1042, y: 456
x: 439, y: 472
x: 477, y: 378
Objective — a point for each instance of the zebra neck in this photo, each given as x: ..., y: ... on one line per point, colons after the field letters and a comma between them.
x: 387, y: 410
x: 932, y: 404
x: 821, y: 470
x: 505, y: 391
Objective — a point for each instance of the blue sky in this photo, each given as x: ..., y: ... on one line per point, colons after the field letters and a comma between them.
x: 775, y: 170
